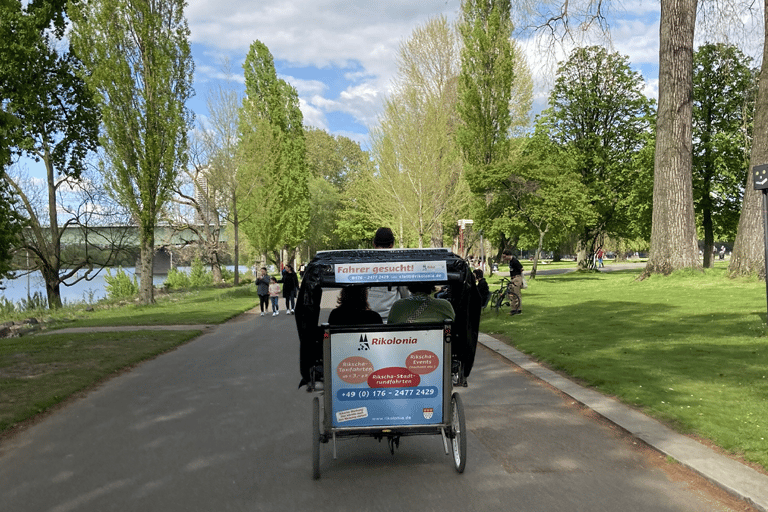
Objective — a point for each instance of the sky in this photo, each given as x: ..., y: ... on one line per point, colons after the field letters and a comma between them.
x: 341, y: 55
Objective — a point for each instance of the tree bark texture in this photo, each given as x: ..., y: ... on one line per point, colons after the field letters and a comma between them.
x: 147, y: 286
x: 748, y: 254
x: 674, y: 242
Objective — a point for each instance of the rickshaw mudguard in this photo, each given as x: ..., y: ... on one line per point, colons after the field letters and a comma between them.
x: 320, y: 273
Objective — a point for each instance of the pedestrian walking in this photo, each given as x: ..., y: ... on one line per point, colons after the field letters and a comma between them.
x: 274, y: 296
x: 290, y: 288
x: 262, y: 289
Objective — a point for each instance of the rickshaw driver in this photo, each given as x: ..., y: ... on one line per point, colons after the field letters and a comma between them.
x: 381, y: 298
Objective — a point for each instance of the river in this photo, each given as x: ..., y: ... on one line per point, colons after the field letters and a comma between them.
x: 83, y: 291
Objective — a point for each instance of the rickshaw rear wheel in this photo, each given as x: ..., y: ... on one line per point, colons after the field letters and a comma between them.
x: 316, y: 438
x: 459, y: 439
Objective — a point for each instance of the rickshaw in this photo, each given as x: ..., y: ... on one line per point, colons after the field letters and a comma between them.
x: 392, y: 380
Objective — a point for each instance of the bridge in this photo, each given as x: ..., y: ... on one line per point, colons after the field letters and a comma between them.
x: 166, y: 237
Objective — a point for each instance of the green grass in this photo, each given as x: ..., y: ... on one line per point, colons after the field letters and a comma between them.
x: 38, y: 372
x: 201, y: 306
x: 689, y: 349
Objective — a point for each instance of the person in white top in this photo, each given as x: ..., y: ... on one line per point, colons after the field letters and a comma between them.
x: 381, y: 298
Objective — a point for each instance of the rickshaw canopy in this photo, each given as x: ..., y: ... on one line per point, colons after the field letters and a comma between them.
x: 387, y: 267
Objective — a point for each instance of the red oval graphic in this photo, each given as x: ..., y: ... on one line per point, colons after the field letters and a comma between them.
x: 422, y: 362
x: 393, y: 377
x: 354, y: 370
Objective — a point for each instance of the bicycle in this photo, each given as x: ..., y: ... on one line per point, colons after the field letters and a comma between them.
x: 500, y: 298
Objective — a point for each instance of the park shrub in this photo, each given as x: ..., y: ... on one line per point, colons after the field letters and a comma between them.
x: 176, y: 280
x: 121, y: 285
x: 199, y: 277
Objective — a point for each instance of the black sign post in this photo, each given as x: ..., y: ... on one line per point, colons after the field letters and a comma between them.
x: 760, y: 182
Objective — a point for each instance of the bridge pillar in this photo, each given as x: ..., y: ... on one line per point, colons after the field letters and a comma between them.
x: 162, y: 261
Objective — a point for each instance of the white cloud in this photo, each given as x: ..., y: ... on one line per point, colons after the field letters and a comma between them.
x: 357, y: 38
x: 353, y: 45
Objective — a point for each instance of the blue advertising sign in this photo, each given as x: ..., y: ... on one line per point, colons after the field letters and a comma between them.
x: 366, y: 273
x: 387, y: 378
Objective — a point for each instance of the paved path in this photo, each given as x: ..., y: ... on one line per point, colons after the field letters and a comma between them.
x: 219, y: 424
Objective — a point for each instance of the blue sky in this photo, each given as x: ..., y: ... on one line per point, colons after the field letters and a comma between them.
x: 341, y: 55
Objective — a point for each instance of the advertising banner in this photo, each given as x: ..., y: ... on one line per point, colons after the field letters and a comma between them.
x: 387, y: 378
x: 367, y: 273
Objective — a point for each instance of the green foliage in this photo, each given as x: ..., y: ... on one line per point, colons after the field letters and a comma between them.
x: 275, y: 207
x: 121, y: 286
x: 10, y: 229
x: 139, y: 61
x: 177, y: 280
x: 542, y: 194
x: 418, y: 187
x: 485, y: 82
x: 335, y: 162
x: 7, y: 307
x: 598, y: 110
x: 199, y: 277
x: 724, y: 90
x: 53, y: 115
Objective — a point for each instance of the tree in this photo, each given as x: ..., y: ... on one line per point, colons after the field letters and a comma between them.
x: 51, y: 117
x: 419, y: 166
x: 10, y: 228
x: 485, y: 83
x: 334, y: 163
x: 673, y: 233
x: 724, y: 94
x: 197, y: 206
x: 542, y: 194
x: 598, y: 111
x: 209, y: 186
x: 674, y: 243
x: 748, y: 256
x: 139, y: 62
x: 273, y: 157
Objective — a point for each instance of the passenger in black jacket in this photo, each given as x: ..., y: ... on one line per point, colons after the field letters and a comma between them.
x: 482, y: 287
x: 290, y: 288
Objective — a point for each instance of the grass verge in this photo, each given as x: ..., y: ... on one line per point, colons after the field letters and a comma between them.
x: 200, y: 306
x: 689, y: 349
x: 39, y: 372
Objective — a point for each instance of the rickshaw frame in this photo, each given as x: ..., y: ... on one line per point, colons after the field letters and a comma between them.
x: 458, y: 348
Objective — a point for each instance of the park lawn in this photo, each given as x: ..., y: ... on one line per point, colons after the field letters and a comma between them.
x: 188, y: 307
x: 689, y: 349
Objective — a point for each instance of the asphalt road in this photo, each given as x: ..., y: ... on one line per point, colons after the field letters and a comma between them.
x: 219, y: 425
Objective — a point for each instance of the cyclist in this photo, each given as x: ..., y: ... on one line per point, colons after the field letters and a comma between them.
x: 515, y: 282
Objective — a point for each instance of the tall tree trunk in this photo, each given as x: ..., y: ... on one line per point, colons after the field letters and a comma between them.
x: 51, y: 270
x: 147, y: 257
x: 748, y: 254
x: 236, y: 231
x: 673, y: 233
x: 709, y: 236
